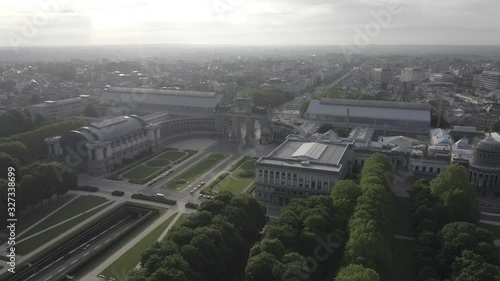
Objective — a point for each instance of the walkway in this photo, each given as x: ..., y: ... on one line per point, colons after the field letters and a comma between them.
x: 180, y: 209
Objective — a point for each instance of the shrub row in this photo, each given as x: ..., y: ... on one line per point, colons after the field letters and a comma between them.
x: 191, y: 205
x: 154, y: 199
x: 213, y: 183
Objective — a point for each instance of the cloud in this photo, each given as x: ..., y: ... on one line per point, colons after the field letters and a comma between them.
x: 260, y: 21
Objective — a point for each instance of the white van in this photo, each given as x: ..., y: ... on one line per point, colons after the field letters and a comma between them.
x: 160, y: 195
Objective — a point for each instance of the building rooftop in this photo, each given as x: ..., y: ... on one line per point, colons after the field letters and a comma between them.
x: 371, y: 109
x: 166, y: 97
x: 302, y: 153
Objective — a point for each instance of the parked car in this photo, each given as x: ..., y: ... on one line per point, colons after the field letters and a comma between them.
x: 202, y: 183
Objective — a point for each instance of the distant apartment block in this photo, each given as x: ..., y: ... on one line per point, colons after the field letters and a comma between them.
x: 412, y: 75
x: 489, y: 80
x: 382, y: 75
x: 55, y: 110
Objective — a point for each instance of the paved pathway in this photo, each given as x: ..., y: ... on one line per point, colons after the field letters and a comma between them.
x: 92, y: 275
x: 404, y: 237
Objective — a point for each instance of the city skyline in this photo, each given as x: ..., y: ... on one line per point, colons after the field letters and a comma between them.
x: 243, y: 22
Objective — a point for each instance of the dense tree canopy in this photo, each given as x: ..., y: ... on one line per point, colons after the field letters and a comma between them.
x: 34, y: 140
x: 370, y: 234
x: 212, y: 244
x: 356, y: 272
x: 15, y: 121
x: 451, y: 187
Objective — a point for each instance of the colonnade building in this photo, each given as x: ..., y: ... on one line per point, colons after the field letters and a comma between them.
x: 484, y: 167
x: 100, y: 147
x: 300, y: 167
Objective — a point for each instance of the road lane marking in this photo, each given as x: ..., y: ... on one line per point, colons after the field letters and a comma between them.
x: 49, y: 278
x: 74, y: 261
x: 61, y: 269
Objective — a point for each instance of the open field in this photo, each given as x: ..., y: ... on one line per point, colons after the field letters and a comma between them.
x: 195, y: 171
x: 238, y: 180
x: 131, y: 258
x: 34, y: 242
x: 78, y: 206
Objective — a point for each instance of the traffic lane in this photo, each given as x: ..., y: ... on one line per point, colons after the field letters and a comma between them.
x: 59, y: 267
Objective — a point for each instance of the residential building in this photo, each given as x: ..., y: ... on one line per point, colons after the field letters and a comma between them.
x: 489, y: 80
x: 55, y: 110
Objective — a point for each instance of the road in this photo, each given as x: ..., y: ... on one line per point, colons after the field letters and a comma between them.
x: 64, y: 264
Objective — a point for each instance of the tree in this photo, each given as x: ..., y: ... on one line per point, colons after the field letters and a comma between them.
x: 304, y: 106
x: 273, y: 247
x: 459, y: 236
x: 16, y: 150
x: 453, y: 190
x: 264, y: 267
x: 356, y: 272
x: 494, y: 127
x: 472, y: 267
x: 325, y: 128
x: 32, y: 190
x: 344, y: 195
x: 90, y: 111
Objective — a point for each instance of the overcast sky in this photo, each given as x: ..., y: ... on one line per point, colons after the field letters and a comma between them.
x: 247, y: 22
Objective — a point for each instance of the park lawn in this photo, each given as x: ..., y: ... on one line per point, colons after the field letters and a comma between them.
x: 234, y: 183
x: 157, y: 163
x: 403, y: 261
x: 495, y: 229
x: 235, y: 186
x: 402, y: 217
x: 139, y: 172
x: 34, y: 216
x: 34, y: 242
x: 78, y: 206
x: 172, y: 155
x: 131, y: 258
x: 118, y: 244
x: 195, y: 171
x: 248, y: 165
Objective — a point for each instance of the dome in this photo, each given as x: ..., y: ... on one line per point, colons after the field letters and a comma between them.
x: 486, y: 153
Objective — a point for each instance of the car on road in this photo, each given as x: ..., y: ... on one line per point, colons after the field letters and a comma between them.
x: 202, y: 183
x: 200, y: 196
x: 160, y: 195
x: 86, y: 247
x: 101, y: 277
x: 192, y: 191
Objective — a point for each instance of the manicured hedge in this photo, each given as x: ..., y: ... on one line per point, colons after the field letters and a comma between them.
x: 117, y: 193
x: 154, y: 199
x: 88, y: 188
x: 191, y: 205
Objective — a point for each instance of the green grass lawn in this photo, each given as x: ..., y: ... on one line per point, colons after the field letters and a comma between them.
x: 402, y: 217
x: 157, y: 163
x: 78, y: 206
x: 248, y: 165
x: 235, y: 186
x: 34, y: 216
x: 31, y: 244
x: 495, y: 229
x: 234, y: 183
x: 131, y: 258
x: 139, y: 172
x: 106, y: 253
x: 195, y: 171
x: 403, y: 261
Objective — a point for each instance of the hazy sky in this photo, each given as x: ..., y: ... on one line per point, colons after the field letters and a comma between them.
x: 255, y: 22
